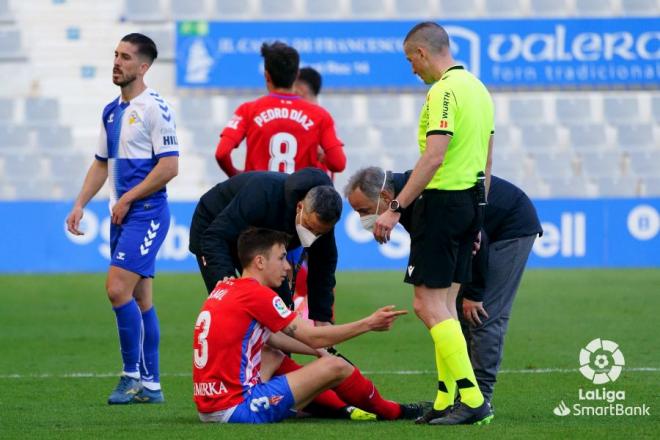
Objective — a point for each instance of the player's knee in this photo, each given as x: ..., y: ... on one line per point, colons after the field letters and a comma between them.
x: 117, y: 292
x: 339, y: 368
x: 419, y: 307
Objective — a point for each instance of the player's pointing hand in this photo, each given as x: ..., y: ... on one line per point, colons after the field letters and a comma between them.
x: 383, y: 318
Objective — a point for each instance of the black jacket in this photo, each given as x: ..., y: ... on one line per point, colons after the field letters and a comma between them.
x: 509, y: 214
x: 264, y: 199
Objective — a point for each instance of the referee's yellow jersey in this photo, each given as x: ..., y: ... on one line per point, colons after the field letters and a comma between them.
x: 458, y: 105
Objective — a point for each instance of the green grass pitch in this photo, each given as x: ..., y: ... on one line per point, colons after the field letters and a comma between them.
x: 59, y: 359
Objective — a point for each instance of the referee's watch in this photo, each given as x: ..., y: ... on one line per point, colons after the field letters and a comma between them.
x: 395, y: 206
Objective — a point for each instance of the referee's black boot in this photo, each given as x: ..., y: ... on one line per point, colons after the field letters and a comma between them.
x: 432, y: 414
x: 461, y: 414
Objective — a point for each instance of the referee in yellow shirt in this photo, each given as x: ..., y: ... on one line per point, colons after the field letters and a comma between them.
x: 455, y: 141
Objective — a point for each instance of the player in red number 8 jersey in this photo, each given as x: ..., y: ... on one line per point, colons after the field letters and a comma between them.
x: 240, y: 331
x: 283, y: 130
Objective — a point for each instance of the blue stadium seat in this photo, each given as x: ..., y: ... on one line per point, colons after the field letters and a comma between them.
x: 625, y: 186
x: 196, y: 111
x: 398, y: 137
x: 341, y: 107
x: 10, y: 44
x: 655, y: 108
x: 633, y: 137
x: 413, y: 8
x: 14, y: 136
x: 41, y: 111
x: 554, y: 165
x: 540, y: 137
x: 651, y: 186
x: 618, y: 109
x: 509, y: 166
x: 6, y: 14
x: 598, y: 164
x: 640, y: 7
x: 571, y: 187
x: 459, y: 8
x: 205, y: 138
x: 384, y: 108
x: 504, y: 8
x: 356, y: 137
x: 504, y: 139
x: 69, y: 167
x: 589, y: 8
x: 278, y: 8
x: 22, y: 166
x: 232, y: 8
x: 645, y: 163
x: 188, y: 10
x: 549, y: 8
x: 144, y: 11
x: 367, y: 8
x: 585, y: 137
x: 526, y: 110
x: 572, y: 110
x: 7, y: 106
x: 55, y: 137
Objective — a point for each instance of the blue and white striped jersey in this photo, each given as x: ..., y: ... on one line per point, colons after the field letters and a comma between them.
x: 134, y: 136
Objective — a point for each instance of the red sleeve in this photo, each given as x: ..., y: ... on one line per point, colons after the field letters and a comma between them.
x: 223, y: 155
x: 236, y: 128
x: 335, y: 159
x: 269, y: 309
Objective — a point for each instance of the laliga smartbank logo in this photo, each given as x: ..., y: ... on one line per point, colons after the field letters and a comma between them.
x: 601, y: 362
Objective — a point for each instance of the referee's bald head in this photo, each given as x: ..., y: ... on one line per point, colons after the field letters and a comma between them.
x: 430, y: 35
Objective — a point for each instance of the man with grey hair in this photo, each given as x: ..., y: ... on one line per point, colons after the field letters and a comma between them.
x: 303, y: 204
x: 510, y: 228
x: 447, y: 185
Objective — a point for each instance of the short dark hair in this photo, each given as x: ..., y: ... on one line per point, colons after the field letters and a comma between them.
x: 254, y: 241
x: 325, y: 202
x: 145, y: 45
x: 430, y: 34
x: 312, y: 78
x: 281, y: 62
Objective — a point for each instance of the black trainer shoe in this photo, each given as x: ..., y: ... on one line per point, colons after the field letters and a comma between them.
x: 432, y: 414
x: 412, y: 411
x: 461, y: 414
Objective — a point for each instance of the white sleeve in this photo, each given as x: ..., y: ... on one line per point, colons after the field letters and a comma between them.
x: 163, y: 130
x: 102, y: 149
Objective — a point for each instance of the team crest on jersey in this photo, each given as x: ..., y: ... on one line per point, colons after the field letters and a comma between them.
x: 233, y: 122
x: 133, y: 118
x: 281, y: 308
x: 275, y: 400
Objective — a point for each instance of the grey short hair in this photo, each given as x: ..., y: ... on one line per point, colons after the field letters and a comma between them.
x: 369, y: 180
x: 429, y: 34
x: 325, y: 202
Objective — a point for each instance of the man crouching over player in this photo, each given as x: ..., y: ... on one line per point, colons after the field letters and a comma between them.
x: 233, y: 369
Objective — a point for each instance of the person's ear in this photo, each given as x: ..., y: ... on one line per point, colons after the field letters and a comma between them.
x: 259, y: 262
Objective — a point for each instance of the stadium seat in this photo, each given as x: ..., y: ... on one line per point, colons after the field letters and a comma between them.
x: 651, y: 186
x: 645, y: 163
x: 22, y: 166
x: 618, y: 109
x: 367, y: 8
x: 640, y: 7
x: 504, y: 8
x: 205, y: 138
x: 533, y: 186
x: 6, y: 14
x: 278, y: 8
x: 540, y: 137
x: 164, y: 40
x: 356, y: 137
x: 188, y: 10
x: 41, y: 111
x: 144, y: 11
x: 504, y: 138
x: 510, y: 167
x: 398, y: 137
x: 341, y: 107
x: 626, y: 186
x: 232, y: 8
x: 413, y: 8
x: 573, y: 109
x: 554, y: 165
x: 634, y: 137
x: 459, y: 8
x: 7, y: 106
x: 69, y: 167
x: 526, y: 110
x: 597, y: 164
x: 655, y: 108
x: 571, y: 187
x: 384, y: 108
x: 196, y: 111
x: 10, y: 44
x: 549, y: 8
x: 589, y: 8
x: 586, y: 137
x: 56, y: 137
x: 14, y: 136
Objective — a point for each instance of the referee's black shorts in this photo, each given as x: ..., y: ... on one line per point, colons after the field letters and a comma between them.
x: 444, y: 226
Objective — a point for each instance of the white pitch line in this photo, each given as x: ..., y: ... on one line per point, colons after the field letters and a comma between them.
x: 83, y: 375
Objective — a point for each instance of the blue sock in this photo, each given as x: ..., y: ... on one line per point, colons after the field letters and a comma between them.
x: 149, y: 362
x: 129, y: 324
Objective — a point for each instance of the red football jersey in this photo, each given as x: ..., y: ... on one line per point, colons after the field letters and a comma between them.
x: 232, y: 327
x: 283, y: 132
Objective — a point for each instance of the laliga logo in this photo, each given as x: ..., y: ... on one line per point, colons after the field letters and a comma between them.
x: 601, y: 361
x: 464, y: 45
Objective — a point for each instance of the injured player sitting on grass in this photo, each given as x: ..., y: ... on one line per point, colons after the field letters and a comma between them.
x: 240, y: 371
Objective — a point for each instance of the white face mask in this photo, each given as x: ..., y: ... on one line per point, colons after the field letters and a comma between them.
x: 307, y: 237
x: 369, y: 221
